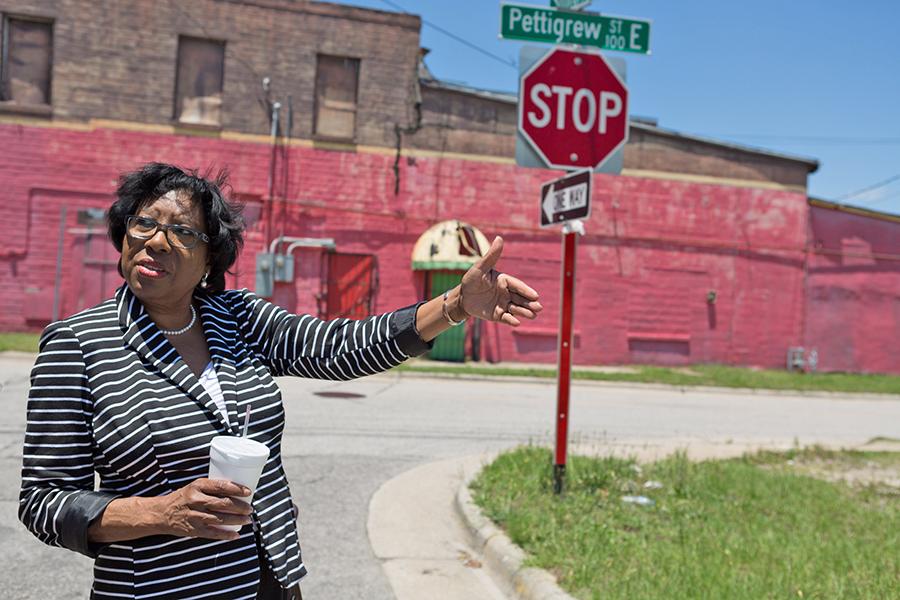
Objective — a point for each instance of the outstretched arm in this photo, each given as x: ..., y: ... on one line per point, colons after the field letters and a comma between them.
x: 339, y: 349
x: 342, y: 349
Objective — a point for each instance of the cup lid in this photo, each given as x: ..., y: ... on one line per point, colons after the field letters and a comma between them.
x: 237, y: 448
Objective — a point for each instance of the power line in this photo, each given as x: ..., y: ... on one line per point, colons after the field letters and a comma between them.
x: 869, y: 188
x: 477, y: 48
x: 812, y: 139
x: 879, y: 200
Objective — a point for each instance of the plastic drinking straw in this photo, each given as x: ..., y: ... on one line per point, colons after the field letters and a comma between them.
x: 246, y: 421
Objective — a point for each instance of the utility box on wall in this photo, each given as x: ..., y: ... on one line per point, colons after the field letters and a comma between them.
x: 265, y: 274
x: 271, y: 268
x: 284, y: 267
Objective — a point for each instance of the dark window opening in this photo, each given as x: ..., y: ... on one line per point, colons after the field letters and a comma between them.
x: 468, y: 243
x: 337, y: 80
x: 198, y: 85
x: 27, y: 61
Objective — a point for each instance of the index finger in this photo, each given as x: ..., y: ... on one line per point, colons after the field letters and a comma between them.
x: 229, y: 505
x: 223, y: 487
x: 514, y: 284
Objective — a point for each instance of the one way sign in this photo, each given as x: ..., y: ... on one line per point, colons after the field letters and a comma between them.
x: 566, y: 199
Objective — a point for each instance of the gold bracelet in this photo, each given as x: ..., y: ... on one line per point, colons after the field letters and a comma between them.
x: 446, y: 312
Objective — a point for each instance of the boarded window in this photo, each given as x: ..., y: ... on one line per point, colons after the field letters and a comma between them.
x: 336, y: 84
x: 198, y: 86
x: 27, y: 60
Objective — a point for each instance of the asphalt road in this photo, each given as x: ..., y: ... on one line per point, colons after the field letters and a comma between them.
x: 343, y: 440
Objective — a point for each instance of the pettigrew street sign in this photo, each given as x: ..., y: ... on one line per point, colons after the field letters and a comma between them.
x: 573, y: 109
x: 566, y: 199
x: 551, y: 26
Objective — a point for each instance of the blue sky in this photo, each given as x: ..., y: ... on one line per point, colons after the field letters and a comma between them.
x: 818, y: 79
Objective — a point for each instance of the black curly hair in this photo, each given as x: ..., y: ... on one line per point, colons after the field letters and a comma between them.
x: 224, y: 224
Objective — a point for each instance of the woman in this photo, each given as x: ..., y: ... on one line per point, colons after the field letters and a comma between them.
x: 135, y: 388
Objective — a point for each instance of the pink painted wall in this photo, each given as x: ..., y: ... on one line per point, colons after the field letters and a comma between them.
x: 853, y: 309
x: 653, y: 249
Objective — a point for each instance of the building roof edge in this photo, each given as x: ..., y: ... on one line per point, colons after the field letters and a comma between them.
x: 856, y: 210
x: 811, y: 163
x: 637, y: 123
x: 322, y: 8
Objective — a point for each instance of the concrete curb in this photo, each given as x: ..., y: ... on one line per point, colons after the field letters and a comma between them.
x: 503, y: 558
x: 647, y: 386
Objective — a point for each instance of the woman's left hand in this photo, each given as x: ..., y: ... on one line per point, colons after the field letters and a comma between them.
x: 493, y: 296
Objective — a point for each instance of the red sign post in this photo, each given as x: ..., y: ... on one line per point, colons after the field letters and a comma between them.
x: 573, y: 110
x: 564, y: 365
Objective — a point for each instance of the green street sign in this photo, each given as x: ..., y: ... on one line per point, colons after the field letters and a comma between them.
x: 551, y: 26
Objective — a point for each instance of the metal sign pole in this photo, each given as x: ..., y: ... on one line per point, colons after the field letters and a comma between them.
x: 570, y: 145
x: 57, y: 282
x: 565, y: 354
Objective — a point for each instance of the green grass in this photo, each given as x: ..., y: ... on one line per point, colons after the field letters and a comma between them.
x: 702, y: 375
x: 23, y: 342
x: 836, y: 459
x: 719, y: 529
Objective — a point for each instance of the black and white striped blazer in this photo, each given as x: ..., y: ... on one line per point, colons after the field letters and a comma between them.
x: 109, y: 394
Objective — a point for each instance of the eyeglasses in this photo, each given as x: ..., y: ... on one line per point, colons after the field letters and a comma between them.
x: 144, y: 228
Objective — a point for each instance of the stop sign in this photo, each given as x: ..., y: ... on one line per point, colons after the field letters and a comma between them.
x: 573, y: 109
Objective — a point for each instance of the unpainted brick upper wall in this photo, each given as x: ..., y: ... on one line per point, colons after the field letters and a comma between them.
x: 117, y: 59
x: 459, y: 122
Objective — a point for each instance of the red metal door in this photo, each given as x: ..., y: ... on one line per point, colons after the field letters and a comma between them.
x: 91, y: 276
x: 352, y: 280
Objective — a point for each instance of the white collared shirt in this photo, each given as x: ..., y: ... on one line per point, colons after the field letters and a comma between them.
x: 210, y: 382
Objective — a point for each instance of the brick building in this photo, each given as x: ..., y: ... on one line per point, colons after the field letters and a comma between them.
x: 701, y: 251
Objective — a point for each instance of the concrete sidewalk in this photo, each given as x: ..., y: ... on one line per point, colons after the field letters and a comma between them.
x: 420, y: 539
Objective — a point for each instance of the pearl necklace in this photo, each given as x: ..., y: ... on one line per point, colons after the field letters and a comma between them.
x: 186, y: 327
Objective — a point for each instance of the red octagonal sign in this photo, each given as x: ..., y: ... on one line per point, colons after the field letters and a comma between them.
x: 573, y: 109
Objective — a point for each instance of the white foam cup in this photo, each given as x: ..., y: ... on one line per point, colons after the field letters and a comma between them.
x: 237, y: 459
